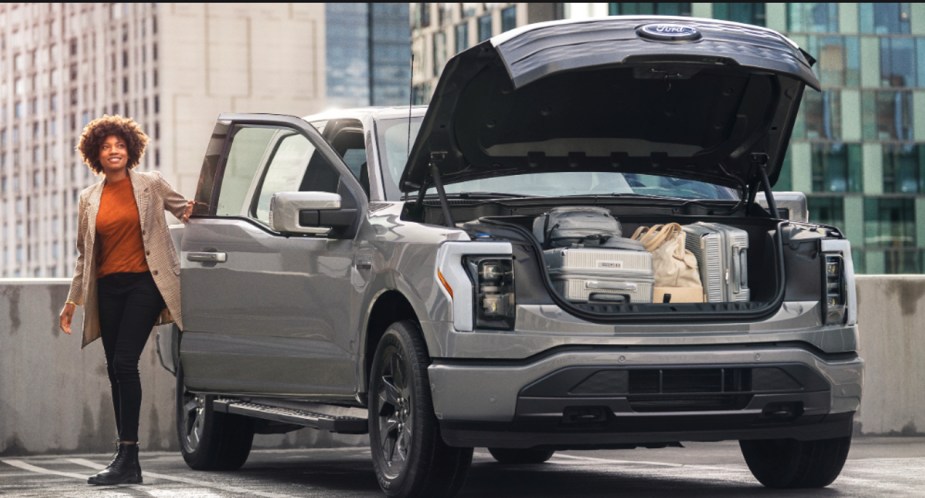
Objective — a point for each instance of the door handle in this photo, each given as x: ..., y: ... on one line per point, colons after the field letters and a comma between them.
x: 207, y: 257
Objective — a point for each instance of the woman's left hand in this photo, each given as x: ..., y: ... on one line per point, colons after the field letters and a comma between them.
x: 188, y: 211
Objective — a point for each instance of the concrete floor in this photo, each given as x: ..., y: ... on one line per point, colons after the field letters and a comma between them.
x: 876, y: 467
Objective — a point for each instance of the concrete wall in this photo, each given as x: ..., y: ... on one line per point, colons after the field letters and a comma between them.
x: 54, y: 398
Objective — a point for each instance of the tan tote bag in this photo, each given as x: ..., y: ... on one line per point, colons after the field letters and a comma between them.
x: 676, y: 271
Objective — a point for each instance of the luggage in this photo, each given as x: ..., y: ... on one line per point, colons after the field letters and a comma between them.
x: 605, y: 275
x: 570, y: 225
x: 722, y: 255
x: 677, y: 273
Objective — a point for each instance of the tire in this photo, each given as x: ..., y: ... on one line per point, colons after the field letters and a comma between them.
x: 210, y: 440
x: 788, y: 463
x: 409, y: 456
x: 516, y: 456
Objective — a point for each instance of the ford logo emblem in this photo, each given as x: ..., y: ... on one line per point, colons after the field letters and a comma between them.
x: 671, y: 32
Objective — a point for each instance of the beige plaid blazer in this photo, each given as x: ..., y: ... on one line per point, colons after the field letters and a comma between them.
x: 153, y: 195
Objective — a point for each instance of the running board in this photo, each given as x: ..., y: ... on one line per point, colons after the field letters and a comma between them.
x: 332, y: 423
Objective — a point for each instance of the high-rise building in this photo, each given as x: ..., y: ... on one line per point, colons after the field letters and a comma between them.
x: 858, y: 146
x: 173, y: 67
x: 368, y: 53
x: 440, y: 30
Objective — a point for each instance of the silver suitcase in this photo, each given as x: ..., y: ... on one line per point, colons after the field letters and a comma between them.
x: 601, y: 274
x: 722, y: 254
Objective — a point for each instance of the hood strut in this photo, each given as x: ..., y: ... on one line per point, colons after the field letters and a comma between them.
x: 435, y: 158
x: 761, y: 161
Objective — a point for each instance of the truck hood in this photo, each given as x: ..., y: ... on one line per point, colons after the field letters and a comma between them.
x: 692, y: 98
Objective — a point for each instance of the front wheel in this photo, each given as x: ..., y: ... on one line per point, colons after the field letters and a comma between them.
x: 788, y: 463
x: 209, y: 440
x: 409, y: 456
x: 516, y: 456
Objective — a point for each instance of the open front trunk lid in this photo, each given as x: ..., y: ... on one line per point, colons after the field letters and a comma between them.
x: 684, y: 97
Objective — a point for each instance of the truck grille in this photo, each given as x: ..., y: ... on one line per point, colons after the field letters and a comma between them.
x: 686, y: 389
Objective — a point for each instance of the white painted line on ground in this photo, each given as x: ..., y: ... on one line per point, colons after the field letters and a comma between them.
x: 617, y: 462
x: 195, y: 482
x: 644, y: 463
x: 184, y: 493
x: 19, y: 464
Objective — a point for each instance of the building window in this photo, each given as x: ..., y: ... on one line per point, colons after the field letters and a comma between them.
x: 839, y: 59
x: 822, y: 114
x: 466, y: 10
x: 424, y: 15
x: 439, y: 52
x: 508, y: 19
x: 886, y: 115
x: 897, y: 62
x: 484, y: 27
x: 420, y: 94
x: 812, y: 17
x: 826, y: 210
x: 889, y: 228
x: 904, y: 168
x: 444, y: 12
x: 645, y: 8
x: 462, y: 37
x: 748, y: 13
x: 884, y: 18
x: 836, y: 167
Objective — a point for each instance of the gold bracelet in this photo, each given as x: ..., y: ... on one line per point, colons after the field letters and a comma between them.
x: 70, y: 302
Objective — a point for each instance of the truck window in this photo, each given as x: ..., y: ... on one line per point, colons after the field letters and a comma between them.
x: 264, y: 160
x: 248, y: 148
x: 284, y: 173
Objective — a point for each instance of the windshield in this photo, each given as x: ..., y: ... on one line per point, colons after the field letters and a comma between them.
x: 395, y: 137
x: 393, y: 151
x: 592, y: 183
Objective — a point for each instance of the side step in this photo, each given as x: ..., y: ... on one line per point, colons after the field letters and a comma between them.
x: 332, y: 423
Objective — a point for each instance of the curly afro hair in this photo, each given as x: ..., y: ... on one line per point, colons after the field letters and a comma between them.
x: 95, y: 134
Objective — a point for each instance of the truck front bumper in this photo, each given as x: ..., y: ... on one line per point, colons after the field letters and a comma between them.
x: 578, y: 397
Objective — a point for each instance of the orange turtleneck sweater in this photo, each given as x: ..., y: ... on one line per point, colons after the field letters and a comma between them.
x: 118, y: 231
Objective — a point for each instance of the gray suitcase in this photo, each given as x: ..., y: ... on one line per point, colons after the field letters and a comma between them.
x: 601, y: 274
x: 572, y: 225
x: 722, y: 254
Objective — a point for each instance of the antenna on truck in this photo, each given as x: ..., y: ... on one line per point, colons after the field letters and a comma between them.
x: 410, y: 100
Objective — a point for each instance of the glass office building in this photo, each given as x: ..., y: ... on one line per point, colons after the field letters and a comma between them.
x: 368, y: 46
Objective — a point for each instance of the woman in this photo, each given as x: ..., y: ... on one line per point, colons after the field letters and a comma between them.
x: 127, y: 275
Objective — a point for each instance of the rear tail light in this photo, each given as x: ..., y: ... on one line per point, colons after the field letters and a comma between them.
x: 835, y: 298
x: 493, y: 300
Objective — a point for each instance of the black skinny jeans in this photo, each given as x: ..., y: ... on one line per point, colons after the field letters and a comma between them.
x: 129, y: 305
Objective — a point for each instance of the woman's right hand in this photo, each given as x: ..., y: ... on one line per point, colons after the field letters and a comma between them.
x: 67, y: 314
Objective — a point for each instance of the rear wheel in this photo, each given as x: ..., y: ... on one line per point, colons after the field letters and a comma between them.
x: 210, y: 440
x: 788, y: 463
x: 520, y: 456
x: 409, y: 456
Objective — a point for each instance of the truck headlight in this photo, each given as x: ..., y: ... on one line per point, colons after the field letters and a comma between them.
x: 493, y: 290
x: 835, y: 294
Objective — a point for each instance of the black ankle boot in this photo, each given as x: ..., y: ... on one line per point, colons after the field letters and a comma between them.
x: 124, y: 468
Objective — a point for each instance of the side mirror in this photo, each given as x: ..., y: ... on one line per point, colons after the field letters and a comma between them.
x: 790, y: 205
x: 312, y: 213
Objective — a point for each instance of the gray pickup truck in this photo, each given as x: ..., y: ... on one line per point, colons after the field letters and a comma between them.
x: 374, y: 270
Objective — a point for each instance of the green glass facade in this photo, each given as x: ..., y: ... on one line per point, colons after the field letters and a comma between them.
x: 858, y: 146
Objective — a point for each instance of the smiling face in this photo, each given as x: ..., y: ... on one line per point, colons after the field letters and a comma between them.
x: 113, y: 155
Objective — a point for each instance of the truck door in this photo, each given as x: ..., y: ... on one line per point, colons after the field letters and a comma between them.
x: 266, y: 312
